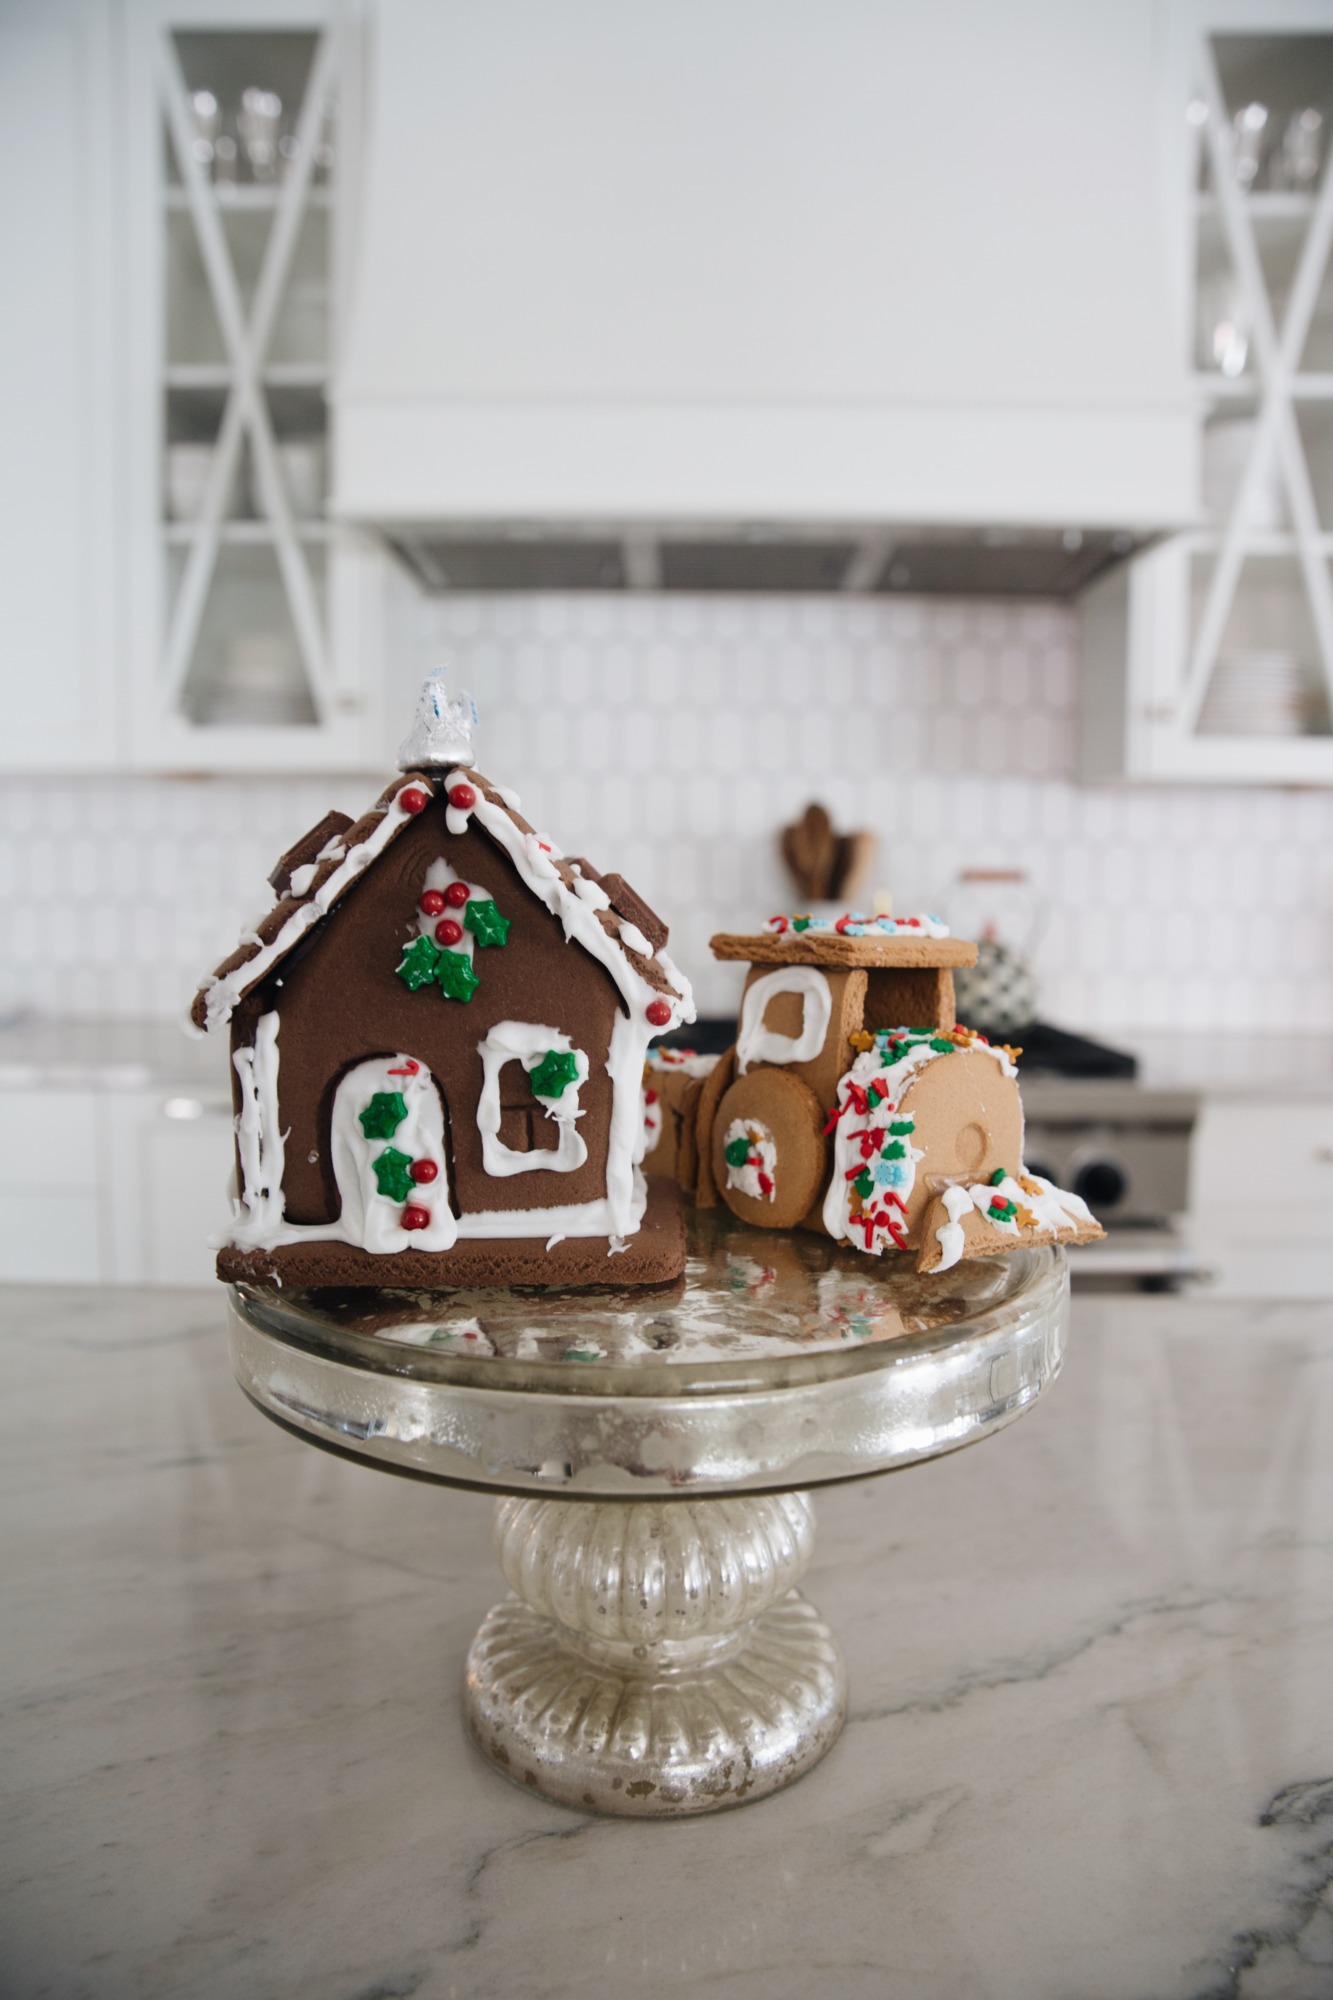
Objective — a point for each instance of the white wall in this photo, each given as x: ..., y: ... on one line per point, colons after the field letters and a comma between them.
x: 668, y: 739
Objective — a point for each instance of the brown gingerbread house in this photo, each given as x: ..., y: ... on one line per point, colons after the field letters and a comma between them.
x: 438, y: 1037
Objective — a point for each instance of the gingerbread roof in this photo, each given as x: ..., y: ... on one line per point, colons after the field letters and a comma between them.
x: 830, y: 947
x: 600, y: 912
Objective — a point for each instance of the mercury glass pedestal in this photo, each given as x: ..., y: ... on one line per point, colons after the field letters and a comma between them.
x: 656, y: 1451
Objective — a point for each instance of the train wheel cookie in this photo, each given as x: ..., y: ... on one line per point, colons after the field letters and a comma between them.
x: 769, y: 1153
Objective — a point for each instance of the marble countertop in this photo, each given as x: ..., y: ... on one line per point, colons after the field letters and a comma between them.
x: 1089, y: 1750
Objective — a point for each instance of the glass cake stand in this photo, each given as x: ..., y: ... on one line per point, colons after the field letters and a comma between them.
x: 655, y: 1450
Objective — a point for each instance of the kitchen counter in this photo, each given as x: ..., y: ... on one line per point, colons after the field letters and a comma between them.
x: 41, y: 1053
x: 1277, y: 1065
x: 1088, y: 1750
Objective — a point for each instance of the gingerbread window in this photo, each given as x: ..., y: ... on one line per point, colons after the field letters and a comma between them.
x: 761, y: 1040
x: 531, y: 1078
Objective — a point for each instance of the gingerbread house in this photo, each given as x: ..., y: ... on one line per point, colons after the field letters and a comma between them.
x: 438, y: 1037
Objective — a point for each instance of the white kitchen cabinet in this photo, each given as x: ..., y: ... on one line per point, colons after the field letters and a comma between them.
x: 60, y: 517
x: 175, y: 595
x: 253, y: 619
x: 1210, y: 658
x: 112, y: 1186
x: 169, y: 1159
x: 1262, y: 1198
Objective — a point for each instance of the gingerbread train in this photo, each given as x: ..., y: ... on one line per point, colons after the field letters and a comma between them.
x: 828, y: 1114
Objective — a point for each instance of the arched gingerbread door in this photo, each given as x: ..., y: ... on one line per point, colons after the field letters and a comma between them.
x: 390, y: 1154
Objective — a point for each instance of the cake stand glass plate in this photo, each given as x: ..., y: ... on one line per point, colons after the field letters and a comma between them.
x: 656, y: 1449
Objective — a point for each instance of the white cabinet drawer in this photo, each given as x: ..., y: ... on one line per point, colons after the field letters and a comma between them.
x: 1265, y: 1171
x: 167, y: 1187
x: 48, y: 1139
x: 49, y: 1237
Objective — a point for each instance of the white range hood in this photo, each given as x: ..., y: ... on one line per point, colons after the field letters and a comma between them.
x: 725, y: 262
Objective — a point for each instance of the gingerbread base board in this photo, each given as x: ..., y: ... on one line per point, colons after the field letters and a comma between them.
x: 654, y: 1255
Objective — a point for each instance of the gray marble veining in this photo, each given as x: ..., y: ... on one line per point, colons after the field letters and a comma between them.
x: 1090, y: 1750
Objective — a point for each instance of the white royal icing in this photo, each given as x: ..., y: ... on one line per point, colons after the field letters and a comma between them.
x: 860, y: 1137
x: 757, y: 1044
x: 1050, y: 1207
x: 526, y: 1042
x: 757, y: 1174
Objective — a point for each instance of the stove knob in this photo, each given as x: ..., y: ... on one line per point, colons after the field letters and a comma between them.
x: 1100, y: 1183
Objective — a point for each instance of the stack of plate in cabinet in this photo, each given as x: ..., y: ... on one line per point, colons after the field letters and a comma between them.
x: 1259, y: 694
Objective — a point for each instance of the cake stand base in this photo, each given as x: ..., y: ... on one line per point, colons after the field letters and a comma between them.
x: 656, y: 1659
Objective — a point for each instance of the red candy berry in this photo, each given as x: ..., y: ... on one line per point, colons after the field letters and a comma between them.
x: 463, y: 797
x: 432, y: 903
x: 447, y: 931
x: 423, y: 1171
x: 416, y: 1217
x: 413, y: 801
x: 456, y: 894
x: 659, y: 1012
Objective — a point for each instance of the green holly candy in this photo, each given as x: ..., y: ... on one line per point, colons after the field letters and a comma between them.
x: 738, y: 1152
x: 384, y: 1114
x: 1001, y: 1173
x: 557, y: 1068
x: 456, y: 978
x: 902, y: 1128
x: 391, y: 1174
x: 895, y: 1150
x: 419, y: 963
x: 485, y: 922
x: 863, y: 1184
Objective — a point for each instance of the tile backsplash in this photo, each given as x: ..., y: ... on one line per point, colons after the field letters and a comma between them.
x: 668, y: 739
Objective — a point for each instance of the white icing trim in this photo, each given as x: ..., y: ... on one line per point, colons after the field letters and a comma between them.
x: 652, y: 1120
x: 1052, y: 1208
x: 527, y: 1042
x: 757, y: 1044
x: 583, y: 1218
x: 222, y: 996
x: 634, y: 940
x: 688, y: 1061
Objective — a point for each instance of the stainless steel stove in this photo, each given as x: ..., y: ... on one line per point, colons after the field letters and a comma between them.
x: 1125, y: 1147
